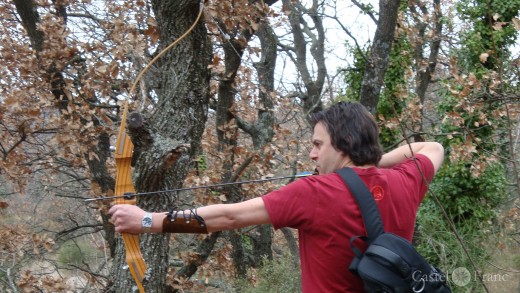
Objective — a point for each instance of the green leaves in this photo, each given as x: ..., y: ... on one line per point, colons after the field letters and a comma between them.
x: 465, y: 196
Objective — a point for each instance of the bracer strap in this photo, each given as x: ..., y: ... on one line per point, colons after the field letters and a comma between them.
x: 181, y: 222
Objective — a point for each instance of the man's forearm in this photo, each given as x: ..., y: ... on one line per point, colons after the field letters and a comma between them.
x: 220, y: 217
x: 433, y: 150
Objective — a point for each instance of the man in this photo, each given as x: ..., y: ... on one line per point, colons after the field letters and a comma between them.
x: 321, y: 207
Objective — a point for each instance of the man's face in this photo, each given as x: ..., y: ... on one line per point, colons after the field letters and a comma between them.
x: 327, y: 158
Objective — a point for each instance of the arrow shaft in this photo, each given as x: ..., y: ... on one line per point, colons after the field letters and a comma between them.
x: 200, y: 187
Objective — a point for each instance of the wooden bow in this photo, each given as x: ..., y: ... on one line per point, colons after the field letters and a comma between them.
x: 124, y: 185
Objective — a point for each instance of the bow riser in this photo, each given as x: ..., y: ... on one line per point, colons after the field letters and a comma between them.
x: 123, y: 157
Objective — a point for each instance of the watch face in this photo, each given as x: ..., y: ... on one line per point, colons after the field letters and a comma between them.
x: 147, y: 222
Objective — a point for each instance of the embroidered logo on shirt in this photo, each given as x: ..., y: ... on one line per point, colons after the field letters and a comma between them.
x: 378, y: 192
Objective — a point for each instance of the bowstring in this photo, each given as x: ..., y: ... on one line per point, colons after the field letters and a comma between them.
x: 163, y: 51
x: 305, y: 174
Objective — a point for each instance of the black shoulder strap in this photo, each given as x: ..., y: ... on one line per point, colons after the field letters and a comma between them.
x: 365, y: 201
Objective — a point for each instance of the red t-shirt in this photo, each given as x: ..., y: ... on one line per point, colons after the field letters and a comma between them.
x: 327, y: 216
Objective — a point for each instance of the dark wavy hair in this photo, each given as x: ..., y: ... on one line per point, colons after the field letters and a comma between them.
x: 353, y: 130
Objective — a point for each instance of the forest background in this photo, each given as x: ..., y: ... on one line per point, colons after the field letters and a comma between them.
x: 228, y: 101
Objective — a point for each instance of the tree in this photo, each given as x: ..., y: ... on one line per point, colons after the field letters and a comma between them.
x: 379, y: 55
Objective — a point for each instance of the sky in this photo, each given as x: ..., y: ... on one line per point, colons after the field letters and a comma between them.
x: 361, y: 27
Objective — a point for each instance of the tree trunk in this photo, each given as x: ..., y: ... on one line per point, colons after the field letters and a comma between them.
x: 175, y: 129
x: 262, y: 131
x: 426, y: 66
x: 380, y: 54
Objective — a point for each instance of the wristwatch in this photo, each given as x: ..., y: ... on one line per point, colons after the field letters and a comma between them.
x: 147, y: 222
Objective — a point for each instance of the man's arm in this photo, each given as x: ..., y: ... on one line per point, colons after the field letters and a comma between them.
x: 433, y: 150
x: 127, y: 218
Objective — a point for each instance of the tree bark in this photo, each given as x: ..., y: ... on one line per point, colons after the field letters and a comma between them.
x: 426, y: 66
x: 379, y: 55
x: 262, y: 131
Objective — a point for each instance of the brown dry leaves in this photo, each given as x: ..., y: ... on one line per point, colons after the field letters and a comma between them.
x: 88, y: 60
x: 17, y: 243
x: 29, y: 283
x: 472, y: 100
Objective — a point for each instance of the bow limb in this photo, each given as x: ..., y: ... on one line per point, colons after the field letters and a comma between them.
x: 123, y: 157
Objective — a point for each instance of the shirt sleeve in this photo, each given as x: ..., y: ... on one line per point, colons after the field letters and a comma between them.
x: 420, y: 170
x: 291, y: 205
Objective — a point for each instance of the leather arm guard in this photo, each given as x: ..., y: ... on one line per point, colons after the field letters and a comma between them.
x: 180, y: 222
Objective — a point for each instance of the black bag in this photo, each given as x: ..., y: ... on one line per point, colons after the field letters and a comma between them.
x: 390, y: 263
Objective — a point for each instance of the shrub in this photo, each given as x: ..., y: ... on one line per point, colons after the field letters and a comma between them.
x: 470, y: 198
x: 471, y: 204
x: 277, y: 275
x: 74, y: 253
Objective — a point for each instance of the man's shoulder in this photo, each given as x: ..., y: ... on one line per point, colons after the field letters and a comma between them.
x: 416, y: 167
x: 412, y: 162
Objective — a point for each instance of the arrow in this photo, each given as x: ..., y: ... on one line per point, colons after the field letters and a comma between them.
x: 130, y: 195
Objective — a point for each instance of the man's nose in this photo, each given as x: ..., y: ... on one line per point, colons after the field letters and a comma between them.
x: 313, y: 155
